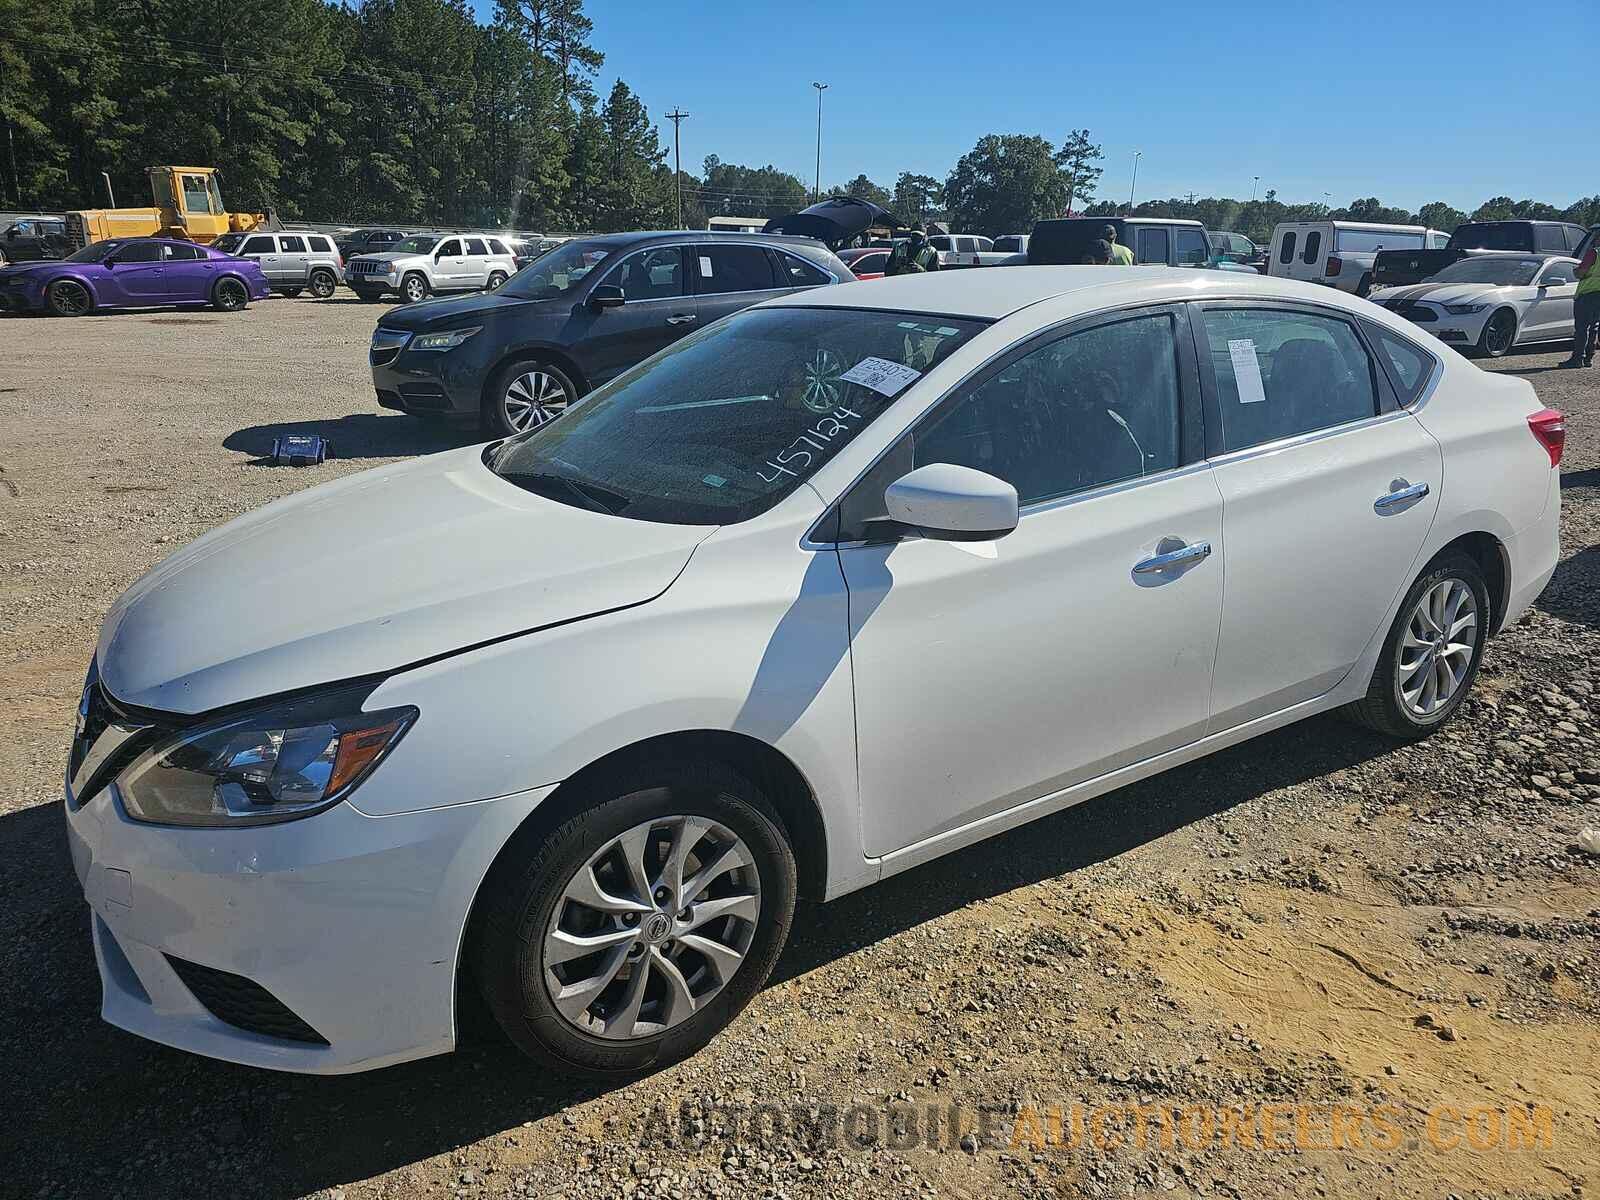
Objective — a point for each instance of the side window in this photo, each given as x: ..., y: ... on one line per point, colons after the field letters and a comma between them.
x: 941, y: 243
x: 1438, y: 241
x: 1313, y: 249
x: 476, y: 246
x: 1550, y: 237
x: 195, y: 197
x: 1575, y: 237
x: 1286, y: 249
x: 496, y: 246
x: 801, y: 273
x: 450, y: 249
x: 1152, y: 246
x: 650, y: 275
x: 140, y: 252
x: 1191, y: 247
x: 257, y: 245
x: 984, y: 245
x: 319, y: 245
x: 181, y: 253
x: 291, y: 245
x: 1281, y: 373
x: 1409, y: 364
x: 1092, y: 408
x: 724, y: 268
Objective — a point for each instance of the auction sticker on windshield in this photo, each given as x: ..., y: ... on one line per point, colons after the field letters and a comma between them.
x: 882, y: 376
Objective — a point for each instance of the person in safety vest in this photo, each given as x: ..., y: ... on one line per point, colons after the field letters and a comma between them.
x: 1586, y: 312
x: 1121, y: 256
x: 912, y: 256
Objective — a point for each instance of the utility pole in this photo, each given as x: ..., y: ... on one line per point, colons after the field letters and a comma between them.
x: 677, y: 118
x: 816, y: 191
x: 1254, y: 187
x: 1137, y: 155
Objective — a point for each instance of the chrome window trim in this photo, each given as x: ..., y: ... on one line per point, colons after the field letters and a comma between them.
x: 1302, y: 439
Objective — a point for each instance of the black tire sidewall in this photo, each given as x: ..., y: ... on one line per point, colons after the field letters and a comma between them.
x: 54, y: 289
x: 1457, y: 566
x: 222, y: 285
x: 495, y: 423
x: 326, y: 278
x: 405, y: 288
x: 1483, y: 338
x: 507, y: 958
x: 496, y: 280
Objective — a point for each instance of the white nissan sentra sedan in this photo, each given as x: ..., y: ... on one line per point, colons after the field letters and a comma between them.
x: 830, y: 588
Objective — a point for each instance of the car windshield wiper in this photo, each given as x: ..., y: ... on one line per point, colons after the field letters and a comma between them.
x: 590, y: 495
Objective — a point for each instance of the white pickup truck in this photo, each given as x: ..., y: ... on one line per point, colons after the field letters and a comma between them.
x: 966, y: 250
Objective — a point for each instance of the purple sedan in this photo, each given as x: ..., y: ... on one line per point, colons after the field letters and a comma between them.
x: 133, y: 273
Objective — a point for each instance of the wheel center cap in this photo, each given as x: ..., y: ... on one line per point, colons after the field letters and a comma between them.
x: 656, y: 927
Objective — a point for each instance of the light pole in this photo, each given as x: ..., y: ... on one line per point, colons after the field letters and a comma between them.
x: 1137, y: 155
x: 1254, y: 188
x: 676, y: 118
x: 816, y: 191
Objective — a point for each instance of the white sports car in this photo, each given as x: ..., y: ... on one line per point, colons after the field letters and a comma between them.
x: 1491, y: 302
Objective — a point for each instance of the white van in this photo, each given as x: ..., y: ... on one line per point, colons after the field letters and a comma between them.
x: 1340, y: 253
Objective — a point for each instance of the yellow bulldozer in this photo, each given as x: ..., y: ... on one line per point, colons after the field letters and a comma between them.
x: 188, y: 205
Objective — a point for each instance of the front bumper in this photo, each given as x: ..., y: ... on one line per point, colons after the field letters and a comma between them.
x: 426, y: 382
x: 351, y: 923
x: 1457, y: 329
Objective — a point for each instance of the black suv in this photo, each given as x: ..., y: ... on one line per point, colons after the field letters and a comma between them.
x: 368, y: 241
x: 576, y: 317
x: 35, y: 239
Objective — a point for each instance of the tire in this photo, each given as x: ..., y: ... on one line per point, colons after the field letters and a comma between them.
x: 229, y: 294
x: 521, y: 396
x: 685, y: 997
x: 68, y: 298
x: 323, y: 283
x: 496, y: 279
x: 414, y: 288
x: 369, y: 297
x: 1499, y: 334
x: 291, y: 293
x: 1386, y: 707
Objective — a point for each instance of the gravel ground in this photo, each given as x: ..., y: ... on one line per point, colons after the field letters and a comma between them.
x: 1316, y: 919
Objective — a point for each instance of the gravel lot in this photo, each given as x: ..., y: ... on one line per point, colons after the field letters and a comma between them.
x: 1316, y: 918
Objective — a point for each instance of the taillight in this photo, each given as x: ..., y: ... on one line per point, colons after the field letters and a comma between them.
x: 1335, y: 265
x: 1550, y: 430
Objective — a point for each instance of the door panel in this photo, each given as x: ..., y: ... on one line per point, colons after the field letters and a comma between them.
x: 1550, y: 315
x: 657, y: 312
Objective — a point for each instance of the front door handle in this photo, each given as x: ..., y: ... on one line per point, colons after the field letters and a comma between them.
x: 682, y: 319
x: 1415, y: 491
x: 1169, y: 560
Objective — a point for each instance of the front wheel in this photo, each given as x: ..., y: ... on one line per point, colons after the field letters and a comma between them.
x: 322, y: 284
x: 524, y: 395
x: 1431, y: 655
x: 68, y: 298
x: 496, y: 279
x: 414, y: 289
x: 631, y: 934
x: 1499, y: 334
x: 229, y: 294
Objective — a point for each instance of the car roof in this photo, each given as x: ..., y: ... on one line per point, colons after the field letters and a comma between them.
x: 991, y: 293
x: 698, y: 235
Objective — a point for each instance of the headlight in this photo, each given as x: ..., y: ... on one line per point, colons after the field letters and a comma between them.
x: 1464, y: 310
x: 448, y: 340
x: 275, y: 764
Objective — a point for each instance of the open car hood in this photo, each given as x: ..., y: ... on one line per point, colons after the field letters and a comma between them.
x: 834, y: 221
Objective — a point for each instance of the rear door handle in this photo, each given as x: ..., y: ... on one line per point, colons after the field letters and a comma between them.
x: 1173, y: 559
x: 1393, y: 499
x: 682, y: 319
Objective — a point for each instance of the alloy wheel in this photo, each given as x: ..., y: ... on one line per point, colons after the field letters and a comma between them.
x: 322, y: 285
x: 1437, y: 647
x: 231, y: 294
x: 652, y: 927
x: 70, y: 299
x: 533, y: 398
x: 416, y: 290
x: 1502, y: 329
x: 823, y: 387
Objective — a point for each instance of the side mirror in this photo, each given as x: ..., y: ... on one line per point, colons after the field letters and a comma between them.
x: 607, y: 295
x: 953, y: 504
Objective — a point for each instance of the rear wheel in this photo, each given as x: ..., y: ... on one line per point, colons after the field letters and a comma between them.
x: 322, y: 284
x: 628, y: 936
x: 413, y: 289
x: 229, y: 294
x: 1431, y: 655
x: 1499, y: 334
x: 524, y: 395
x: 68, y: 298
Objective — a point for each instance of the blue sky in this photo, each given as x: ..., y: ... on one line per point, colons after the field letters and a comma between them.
x: 1408, y: 103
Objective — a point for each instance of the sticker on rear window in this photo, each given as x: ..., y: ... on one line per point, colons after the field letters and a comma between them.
x: 705, y: 267
x: 1247, y: 371
x: 882, y: 376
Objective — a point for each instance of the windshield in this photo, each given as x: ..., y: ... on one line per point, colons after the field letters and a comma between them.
x: 729, y: 421
x: 1494, y: 236
x: 414, y: 245
x: 96, y: 252
x: 556, y: 272
x: 1501, y: 272
x: 228, y: 242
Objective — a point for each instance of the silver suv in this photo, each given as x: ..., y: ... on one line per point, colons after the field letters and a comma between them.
x: 425, y: 263
x: 293, y: 260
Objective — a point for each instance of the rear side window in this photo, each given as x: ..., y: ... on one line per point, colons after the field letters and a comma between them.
x: 1313, y: 248
x: 258, y: 245
x: 185, y: 253
x: 475, y: 246
x: 1286, y: 248
x: 802, y: 273
x: 319, y: 244
x: 1574, y: 237
x: 1152, y: 246
x: 1409, y: 365
x: 940, y: 243
x: 733, y: 269
x: 496, y: 246
x: 1191, y: 247
x: 292, y: 245
x: 1008, y: 245
x: 1550, y: 237
x: 1280, y: 373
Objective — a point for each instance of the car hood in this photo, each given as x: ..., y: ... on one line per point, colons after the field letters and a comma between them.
x: 370, y: 573
x: 452, y: 311
x: 19, y: 270
x: 1441, y: 293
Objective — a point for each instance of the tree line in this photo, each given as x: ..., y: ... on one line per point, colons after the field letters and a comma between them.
x: 414, y: 112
